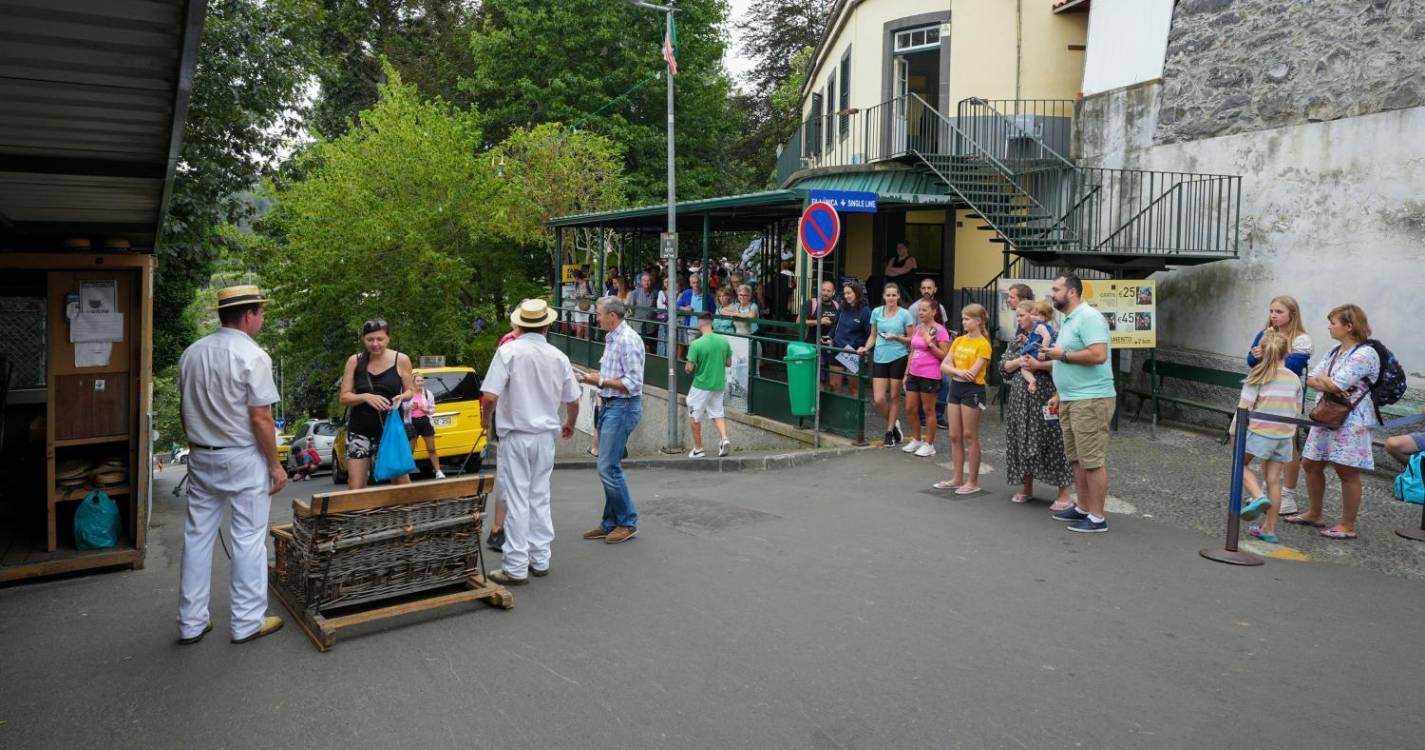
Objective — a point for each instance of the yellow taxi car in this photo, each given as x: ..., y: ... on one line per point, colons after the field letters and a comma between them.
x: 284, y: 448
x: 459, y: 437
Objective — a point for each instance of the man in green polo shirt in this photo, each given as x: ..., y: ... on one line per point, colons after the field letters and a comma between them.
x: 708, y: 359
x: 1085, y: 401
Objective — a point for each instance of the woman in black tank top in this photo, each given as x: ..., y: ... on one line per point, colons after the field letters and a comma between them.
x: 375, y: 382
x: 901, y: 264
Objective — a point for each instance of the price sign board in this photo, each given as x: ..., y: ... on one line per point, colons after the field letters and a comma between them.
x: 1129, y: 307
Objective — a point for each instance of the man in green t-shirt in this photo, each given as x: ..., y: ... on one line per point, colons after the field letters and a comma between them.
x: 708, y: 359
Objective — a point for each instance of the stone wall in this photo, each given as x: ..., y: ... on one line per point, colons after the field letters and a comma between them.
x: 1236, y: 66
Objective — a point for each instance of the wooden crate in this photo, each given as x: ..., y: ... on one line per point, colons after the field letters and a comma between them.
x: 347, y: 554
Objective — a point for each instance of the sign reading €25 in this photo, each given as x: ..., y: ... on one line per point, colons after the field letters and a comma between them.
x: 1130, y: 307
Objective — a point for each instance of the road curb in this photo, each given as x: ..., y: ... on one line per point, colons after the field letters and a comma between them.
x: 788, y: 460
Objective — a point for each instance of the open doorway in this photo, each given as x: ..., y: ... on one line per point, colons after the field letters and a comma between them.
x: 915, y: 81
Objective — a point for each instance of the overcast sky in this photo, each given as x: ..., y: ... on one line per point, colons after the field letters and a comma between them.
x: 736, y: 63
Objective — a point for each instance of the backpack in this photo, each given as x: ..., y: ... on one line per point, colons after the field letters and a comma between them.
x: 1390, y: 386
x: 1410, y: 486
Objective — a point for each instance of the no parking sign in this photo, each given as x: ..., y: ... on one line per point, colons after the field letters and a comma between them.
x: 820, y: 229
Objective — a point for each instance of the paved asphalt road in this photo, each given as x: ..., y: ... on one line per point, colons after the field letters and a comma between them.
x: 838, y: 605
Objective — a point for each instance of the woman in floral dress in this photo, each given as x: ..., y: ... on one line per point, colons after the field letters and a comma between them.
x: 1347, y: 371
x: 1034, y: 446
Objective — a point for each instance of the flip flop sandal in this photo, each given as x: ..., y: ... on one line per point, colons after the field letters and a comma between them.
x: 1020, y: 497
x: 1299, y: 521
x: 1056, y: 508
x: 945, y: 485
x: 1336, y: 533
x: 592, y: 452
x: 968, y: 491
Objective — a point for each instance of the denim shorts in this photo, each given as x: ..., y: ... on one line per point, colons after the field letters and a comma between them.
x: 1269, y: 448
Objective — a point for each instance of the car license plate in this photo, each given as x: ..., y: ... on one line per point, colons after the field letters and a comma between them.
x: 440, y: 421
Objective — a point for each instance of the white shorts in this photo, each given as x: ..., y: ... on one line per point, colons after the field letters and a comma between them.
x: 704, y: 403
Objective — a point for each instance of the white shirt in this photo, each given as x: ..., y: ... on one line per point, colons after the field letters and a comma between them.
x: 219, y: 377
x: 915, y: 311
x: 531, y: 378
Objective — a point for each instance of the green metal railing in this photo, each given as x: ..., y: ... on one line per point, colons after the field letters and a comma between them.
x: 767, y: 395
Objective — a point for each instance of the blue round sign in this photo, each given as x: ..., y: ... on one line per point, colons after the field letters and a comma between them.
x: 820, y: 229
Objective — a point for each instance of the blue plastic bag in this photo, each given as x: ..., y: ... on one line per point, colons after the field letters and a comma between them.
x: 96, y: 522
x: 393, y: 456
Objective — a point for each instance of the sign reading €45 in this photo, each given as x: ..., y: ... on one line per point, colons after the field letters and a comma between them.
x: 1130, y: 309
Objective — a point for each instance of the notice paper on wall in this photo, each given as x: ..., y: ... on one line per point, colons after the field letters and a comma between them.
x: 98, y: 297
x: 93, y: 354
x: 95, y: 327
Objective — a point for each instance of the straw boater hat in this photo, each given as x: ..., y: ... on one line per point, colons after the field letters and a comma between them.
x: 243, y: 294
x: 533, y: 313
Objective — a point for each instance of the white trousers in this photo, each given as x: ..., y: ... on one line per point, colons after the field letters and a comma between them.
x: 525, y: 464
x: 217, y: 480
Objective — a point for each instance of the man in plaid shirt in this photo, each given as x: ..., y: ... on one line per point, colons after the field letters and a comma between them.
x: 620, y: 383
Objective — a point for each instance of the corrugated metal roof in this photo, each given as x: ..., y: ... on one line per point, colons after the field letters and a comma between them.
x: 95, y: 95
x: 651, y: 216
x: 897, y: 185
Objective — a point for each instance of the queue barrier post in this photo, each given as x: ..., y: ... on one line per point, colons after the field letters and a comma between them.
x: 1414, y: 534
x: 1229, y: 553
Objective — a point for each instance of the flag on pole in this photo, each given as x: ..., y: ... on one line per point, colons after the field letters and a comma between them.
x: 670, y: 41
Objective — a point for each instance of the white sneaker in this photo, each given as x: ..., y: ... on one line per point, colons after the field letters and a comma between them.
x: 439, y: 474
x: 724, y: 447
x: 696, y: 453
x: 912, y: 446
x: 926, y: 449
x: 1288, y: 503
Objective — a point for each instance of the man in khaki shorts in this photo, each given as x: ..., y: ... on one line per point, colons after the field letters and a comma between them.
x: 1085, y: 401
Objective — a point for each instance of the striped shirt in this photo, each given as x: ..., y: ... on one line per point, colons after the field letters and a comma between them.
x: 622, y: 360
x: 1280, y: 396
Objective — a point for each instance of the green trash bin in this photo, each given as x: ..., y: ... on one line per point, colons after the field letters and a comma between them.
x: 801, y: 378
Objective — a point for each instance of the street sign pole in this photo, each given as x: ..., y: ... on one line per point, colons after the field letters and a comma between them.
x: 816, y: 290
x: 818, y: 232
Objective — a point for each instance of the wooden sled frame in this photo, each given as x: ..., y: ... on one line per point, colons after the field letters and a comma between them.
x: 322, y: 629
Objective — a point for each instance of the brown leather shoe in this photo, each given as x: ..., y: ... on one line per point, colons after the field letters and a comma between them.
x: 620, y: 534
x: 596, y: 533
x: 505, y: 579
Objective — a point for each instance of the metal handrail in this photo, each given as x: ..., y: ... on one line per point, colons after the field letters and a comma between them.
x: 975, y: 101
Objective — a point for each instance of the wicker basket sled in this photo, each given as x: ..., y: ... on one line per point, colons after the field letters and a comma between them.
x: 345, y: 552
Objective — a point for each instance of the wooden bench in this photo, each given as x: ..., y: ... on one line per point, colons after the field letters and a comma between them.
x: 1191, y: 374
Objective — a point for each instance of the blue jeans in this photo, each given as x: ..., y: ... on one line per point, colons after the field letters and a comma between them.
x: 617, y: 419
x: 941, y: 398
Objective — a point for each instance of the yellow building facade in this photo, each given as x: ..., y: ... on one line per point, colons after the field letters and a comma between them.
x: 878, y: 54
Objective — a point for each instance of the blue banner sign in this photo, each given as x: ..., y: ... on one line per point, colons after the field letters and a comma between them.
x: 846, y: 201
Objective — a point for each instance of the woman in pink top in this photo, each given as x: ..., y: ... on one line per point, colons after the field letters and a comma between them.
x: 418, y: 412
x: 929, y: 342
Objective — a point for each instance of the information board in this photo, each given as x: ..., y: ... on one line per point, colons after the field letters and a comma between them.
x: 1130, y: 307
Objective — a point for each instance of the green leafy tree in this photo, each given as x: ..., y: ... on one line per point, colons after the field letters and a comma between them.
x: 426, y: 41
x: 254, y: 62
x: 537, y: 61
x: 780, y: 35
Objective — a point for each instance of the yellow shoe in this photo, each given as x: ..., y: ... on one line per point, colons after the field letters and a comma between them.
x: 270, y: 624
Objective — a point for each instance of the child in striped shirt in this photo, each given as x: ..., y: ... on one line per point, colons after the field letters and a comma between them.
x: 1270, y: 388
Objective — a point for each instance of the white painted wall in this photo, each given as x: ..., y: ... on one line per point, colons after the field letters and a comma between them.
x: 1332, y: 212
x: 1128, y: 41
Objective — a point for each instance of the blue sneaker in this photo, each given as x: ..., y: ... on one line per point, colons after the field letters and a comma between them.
x: 1089, y: 527
x: 1072, y: 514
x: 1253, y: 510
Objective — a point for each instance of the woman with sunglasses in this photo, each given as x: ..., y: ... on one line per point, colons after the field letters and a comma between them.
x: 375, y: 381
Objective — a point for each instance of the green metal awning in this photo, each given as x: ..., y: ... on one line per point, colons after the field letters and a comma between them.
x: 890, y: 185
x: 754, y: 209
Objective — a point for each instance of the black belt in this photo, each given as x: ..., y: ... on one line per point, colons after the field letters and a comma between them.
x: 627, y: 398
x: 211, y: 447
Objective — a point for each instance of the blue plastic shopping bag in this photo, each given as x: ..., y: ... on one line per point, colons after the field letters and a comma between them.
x: 96, y: 522
x: 393, y: 456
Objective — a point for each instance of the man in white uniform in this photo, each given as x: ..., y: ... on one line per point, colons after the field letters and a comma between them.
x: 225, y: 380
x: 528, y: 378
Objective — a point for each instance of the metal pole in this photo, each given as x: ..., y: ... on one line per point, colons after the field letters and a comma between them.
x: 816, y: 424
x: 674, y: 442
x: 1229, y: 553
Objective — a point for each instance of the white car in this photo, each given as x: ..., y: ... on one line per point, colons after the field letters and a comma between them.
x: 319, y: 433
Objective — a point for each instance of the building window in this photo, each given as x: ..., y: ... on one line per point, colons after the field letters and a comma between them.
x: 830, y: 106
x: 915, y: 40
x: 813, y: 126
x: 844, y: 103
